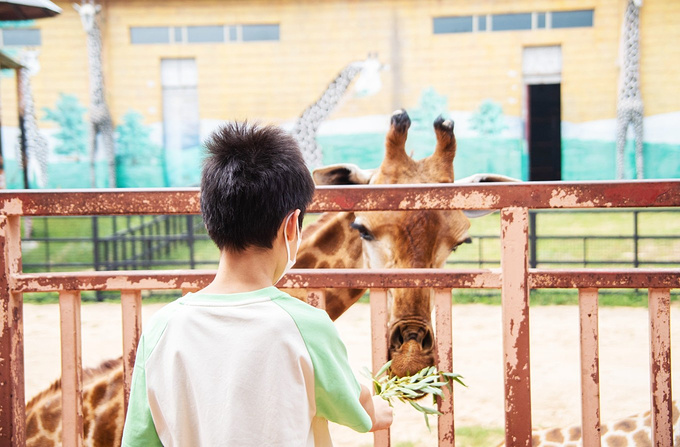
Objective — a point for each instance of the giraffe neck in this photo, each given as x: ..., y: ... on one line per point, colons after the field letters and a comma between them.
x: 94, y: 56
x: 630, y: 48
x: 103, y: 414
x: 331, y: 243
x: 308, y: 123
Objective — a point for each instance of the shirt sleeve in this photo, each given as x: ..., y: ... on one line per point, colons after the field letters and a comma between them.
x: 139, y: 429
x: 336, y: 388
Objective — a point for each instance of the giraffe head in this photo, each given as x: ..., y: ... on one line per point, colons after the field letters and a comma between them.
x: 408, y: 239
x: 88, y: 11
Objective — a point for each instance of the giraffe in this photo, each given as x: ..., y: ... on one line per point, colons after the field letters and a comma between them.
x: 629, y: 109
x: 103, y: 414
x: 308, y: 123
x: 349, y: 240
x: 100, y: 117
x: 631, y: 431
x: 36, y: 145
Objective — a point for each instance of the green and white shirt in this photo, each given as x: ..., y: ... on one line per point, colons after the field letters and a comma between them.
x: 250, y: 369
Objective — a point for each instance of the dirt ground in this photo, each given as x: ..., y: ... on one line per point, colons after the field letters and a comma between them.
x: 624, y: 362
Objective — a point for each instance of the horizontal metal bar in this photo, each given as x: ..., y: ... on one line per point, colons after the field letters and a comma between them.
x: 352, y: 278
x: 604, y: 278
x: 300, y: 278
x: 535, y: 195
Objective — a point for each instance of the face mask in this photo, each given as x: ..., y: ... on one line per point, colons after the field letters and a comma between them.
x: 290, y: 262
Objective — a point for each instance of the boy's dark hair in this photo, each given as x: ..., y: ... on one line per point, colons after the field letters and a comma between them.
x: 253, y: 177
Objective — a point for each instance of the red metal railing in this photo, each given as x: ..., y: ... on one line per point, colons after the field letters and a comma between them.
x: 514, y: 278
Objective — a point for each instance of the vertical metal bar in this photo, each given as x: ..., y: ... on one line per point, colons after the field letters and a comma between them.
x: 515, y: 310
x: 71, y: 369
x: 131, y: 306
x: 317, y: 298
x: 636, y: 259
x: 590, y: 368
x: 444, y: 353
x: 12, y: 416
x: 660, y: 362
x: 190, y: 240
x: 533, y: 258
x: 379, y: 342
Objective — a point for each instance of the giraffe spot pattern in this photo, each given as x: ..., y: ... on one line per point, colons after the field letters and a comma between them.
x: 106, y: 428
x: 51, y: 416
x: 616, y: 441
x: 42, y: 441
x: 626, y: 425
x: 554, y: 435
x: 641, y: 438
x: 574, y: 433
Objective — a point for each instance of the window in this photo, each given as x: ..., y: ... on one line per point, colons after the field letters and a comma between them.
x: 481, y: 23
x: 540, y: 20
x: 510, y: 22
x: 572, y: 19
x: 445, y: 25
x: 21, y: 37
x: 149, y: 35
x: 252, y: 33
x: 205, y: 34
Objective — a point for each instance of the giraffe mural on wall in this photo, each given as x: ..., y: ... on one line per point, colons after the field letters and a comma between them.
x: 308, y: 123
x: 629, y: 109
x: 100, y: 117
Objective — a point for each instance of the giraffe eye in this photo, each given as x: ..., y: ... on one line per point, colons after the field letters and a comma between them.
x: 363, y: 231
x: 466, y: 241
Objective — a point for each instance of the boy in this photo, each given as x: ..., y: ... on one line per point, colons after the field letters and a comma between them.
x: 241, y: 363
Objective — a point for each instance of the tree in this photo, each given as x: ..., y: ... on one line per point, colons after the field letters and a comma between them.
x: 72, y: 135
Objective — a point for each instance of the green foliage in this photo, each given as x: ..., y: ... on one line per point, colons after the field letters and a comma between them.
x: 409, y: 389
x: 68, y: 114
x: 431, y: 105
x: 488, y: 120
x: 133, y: 145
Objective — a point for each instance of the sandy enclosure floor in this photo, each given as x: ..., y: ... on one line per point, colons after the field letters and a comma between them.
x: 624, y: 362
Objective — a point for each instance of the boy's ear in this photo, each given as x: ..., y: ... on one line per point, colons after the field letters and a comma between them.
x: 290, y: 231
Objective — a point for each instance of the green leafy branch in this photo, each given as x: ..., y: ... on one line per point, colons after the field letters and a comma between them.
x: 409, y: 389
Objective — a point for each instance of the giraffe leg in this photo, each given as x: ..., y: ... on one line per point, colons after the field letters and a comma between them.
x: 621, y: 130
x: 109, y: 147
x: 638, y: 130
x: 93, y: 152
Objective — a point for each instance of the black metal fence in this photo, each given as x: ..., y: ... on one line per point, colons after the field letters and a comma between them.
x: 150, y: 242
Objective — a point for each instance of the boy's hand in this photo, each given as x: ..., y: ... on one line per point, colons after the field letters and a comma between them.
x: 383, y: 414
x: 377, y: 408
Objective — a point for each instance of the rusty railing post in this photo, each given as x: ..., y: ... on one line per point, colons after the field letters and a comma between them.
x: 515, y: 310
x: 12, y: 402
x: 131, y: 307
x: 379, y: 342
x: 660, y: 366
x: 317, y: 298
x: 71, y: 369
x: 444, y: 352
x: 590, y: 367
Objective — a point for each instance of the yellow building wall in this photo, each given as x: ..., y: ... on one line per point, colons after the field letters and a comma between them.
x: 276, y: 81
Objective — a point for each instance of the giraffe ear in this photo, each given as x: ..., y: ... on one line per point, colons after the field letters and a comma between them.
x: 342, y: 174
x: 483, y: 178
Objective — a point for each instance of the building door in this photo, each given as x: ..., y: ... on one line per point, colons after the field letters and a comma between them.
x: 544, y: 137
x: 542, y: 76
x: 181, y: 123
